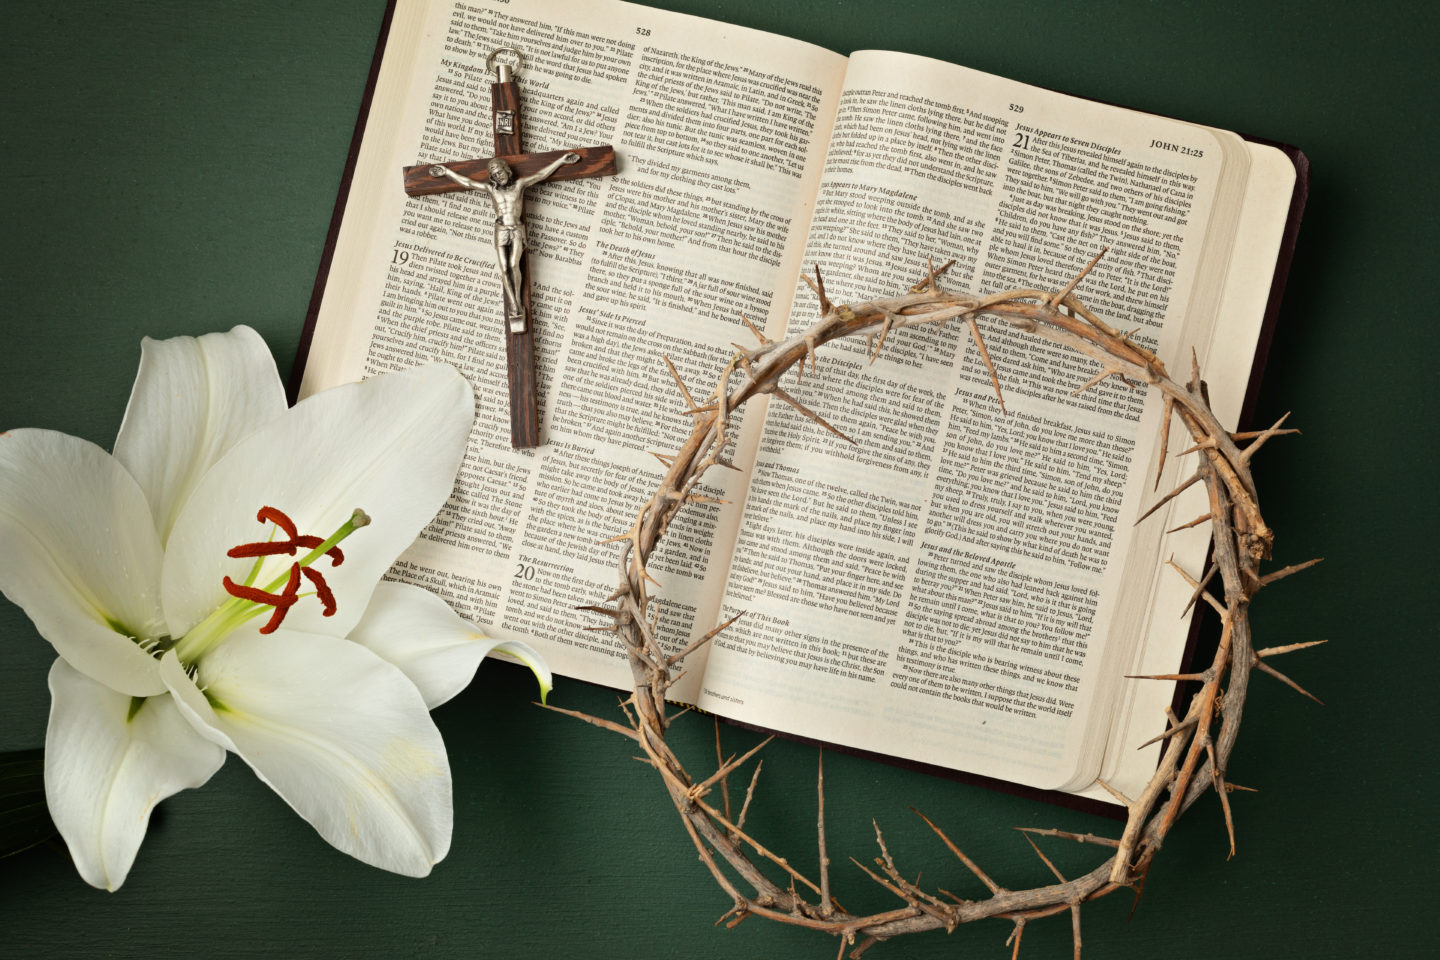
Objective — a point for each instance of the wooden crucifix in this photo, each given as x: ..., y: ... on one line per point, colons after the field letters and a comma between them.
x: 505, y: 177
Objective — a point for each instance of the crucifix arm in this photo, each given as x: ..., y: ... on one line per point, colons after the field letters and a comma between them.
x: 426, y: 179
x: 545, y: 171
x: 439, y: 170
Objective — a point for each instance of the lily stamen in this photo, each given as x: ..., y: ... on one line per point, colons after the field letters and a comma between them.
x: 273, y: 547
x: 248, y: 601
x: 282, y: 601
x: 322, y: 590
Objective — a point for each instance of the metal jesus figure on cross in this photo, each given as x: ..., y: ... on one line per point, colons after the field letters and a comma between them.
x: 505, y: 177
x: 507, y: 193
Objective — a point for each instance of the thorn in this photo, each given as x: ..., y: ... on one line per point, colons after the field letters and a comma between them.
x: 826, y: 906
x: 749, y: 795
x: 668, y: 461
x: 1115, y: 793
x: 624, y: 704
x: 1288, y: 648
x: 1270, y: 578
x: 1039, y: 853
x: 1169, y: 733
x: 697, y: 644
x: 1164, y: 438
x: 1266, y: 668
x: 818, y: 285
x: 1065, y: 835
x: 603, y: 611
x: 1178, y: 677
x: 810, y: 354
x: 1200, y: 587
x: 764, y: 341
x: 1193, y: 523
x: 1139, y: 892
x: 935, y: 275
x: 596, y: 721
x: 865, y: 944
x: 1015, y: 935
x: 736, y: 911
x: 878, y: 879
x: 985, y: 356
x: 1168, y: 497
x: 1199, y: 592
x: 1273, y: 431
x: 1056, y: 300
x: 1207, y: 444
x: 931, y: 281
x: 702, y: 788
x: 970, y: 864
x: 1106, y: 372
x: 684, y: 390
x: 884, y: 332
x: 1218, y: 780
x: 811, y: 415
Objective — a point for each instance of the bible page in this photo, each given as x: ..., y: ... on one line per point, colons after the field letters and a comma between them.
x: 946, y: 589
x: 719, y: 134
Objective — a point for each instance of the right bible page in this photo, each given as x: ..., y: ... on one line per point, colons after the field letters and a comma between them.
x: 947, y: 588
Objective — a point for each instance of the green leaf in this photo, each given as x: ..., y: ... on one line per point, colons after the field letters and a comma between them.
x: 24, y: 818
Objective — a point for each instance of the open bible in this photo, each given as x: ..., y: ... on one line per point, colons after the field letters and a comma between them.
x: 962, y: 585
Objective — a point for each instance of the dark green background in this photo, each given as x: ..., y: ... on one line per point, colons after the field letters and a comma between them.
x: 169, y: 168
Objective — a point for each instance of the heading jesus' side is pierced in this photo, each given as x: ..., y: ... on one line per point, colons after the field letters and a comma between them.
x: 505, y: 177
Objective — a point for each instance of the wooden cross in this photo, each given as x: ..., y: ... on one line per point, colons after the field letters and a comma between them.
x: 506, y: 184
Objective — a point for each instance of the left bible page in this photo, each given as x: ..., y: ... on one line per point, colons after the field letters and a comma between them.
x: 719, y: 134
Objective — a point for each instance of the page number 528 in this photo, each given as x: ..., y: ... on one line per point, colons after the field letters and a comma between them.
x: 643, y: 31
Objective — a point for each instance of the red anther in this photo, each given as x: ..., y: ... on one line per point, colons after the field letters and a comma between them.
x: 322, y: 589
x: 267, y: 549
x: 285, y: 599
x: 282, y: 601
x: 270, y: 548
x: 278, y: 517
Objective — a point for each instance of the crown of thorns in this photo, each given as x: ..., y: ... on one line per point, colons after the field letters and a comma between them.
x: 1197, y: 744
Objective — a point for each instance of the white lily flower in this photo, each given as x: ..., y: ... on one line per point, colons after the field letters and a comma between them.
x: 128, y: 565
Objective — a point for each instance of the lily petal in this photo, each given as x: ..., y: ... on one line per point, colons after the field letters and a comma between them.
x: 390, y: 445
x: 440, y: 652
x: 78, y: 552
x: 193, y: 399
x: 340, y: 734
x: 108, y: 762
